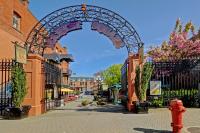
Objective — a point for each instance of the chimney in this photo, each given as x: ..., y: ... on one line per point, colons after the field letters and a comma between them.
x: 26, y: 3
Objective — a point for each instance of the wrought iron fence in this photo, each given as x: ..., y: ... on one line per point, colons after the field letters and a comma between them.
x: 124, y: 73
x: 6, y: 93
x: 124, y: 83
x: 52, y: 85
x: 179, y: 79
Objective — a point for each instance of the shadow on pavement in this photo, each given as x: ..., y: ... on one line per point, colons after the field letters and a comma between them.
x: 111, y: 109
x: 194, y: 129
x: 146, y: 130
x: 106, y: 109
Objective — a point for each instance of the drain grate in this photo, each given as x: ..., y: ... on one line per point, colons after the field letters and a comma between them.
x: 193, y: 129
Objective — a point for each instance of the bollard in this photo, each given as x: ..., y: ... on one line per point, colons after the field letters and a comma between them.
x: 177, y: 109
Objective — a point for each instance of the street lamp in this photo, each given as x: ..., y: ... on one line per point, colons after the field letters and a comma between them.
x: 99, y: 81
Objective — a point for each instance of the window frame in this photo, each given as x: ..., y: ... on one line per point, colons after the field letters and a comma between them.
x: 16, y: 20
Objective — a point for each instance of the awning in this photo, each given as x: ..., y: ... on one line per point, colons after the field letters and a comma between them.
x: 67, y: 57
x: 115, y: 86
x: 66, y: 90
x: 56, y: 57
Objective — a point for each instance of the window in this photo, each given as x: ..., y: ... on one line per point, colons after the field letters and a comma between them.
x: 21, y: 1
x: 81, y: 83
x: 16, y: 21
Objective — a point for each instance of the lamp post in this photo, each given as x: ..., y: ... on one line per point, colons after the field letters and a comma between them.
x: 99, y: 80
x: 74, y: 85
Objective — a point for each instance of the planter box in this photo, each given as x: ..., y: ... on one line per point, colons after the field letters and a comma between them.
x: 141, y: 107
x: 16, y: 113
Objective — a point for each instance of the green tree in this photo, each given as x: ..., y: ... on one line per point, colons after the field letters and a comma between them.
x: 145, y: 78
x: 138, y: 83
x: 142, y: 80
x: 112, y: 75
x: 18, y: 85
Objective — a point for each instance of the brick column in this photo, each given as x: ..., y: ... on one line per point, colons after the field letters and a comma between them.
x: 133, y: 61
x: 35, y: 84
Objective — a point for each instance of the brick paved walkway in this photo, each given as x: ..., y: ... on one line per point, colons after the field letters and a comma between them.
x: 92, y: 119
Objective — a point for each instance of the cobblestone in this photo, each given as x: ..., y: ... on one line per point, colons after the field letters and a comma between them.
x: 93, y: 119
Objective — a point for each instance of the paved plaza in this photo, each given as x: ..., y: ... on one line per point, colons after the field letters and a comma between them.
x: 93, y: 119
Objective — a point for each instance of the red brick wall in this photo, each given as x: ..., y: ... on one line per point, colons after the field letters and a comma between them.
x: 7, y: 33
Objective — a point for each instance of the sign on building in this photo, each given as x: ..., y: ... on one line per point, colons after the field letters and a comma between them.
x: 20, y: 54
x: 155, y: 88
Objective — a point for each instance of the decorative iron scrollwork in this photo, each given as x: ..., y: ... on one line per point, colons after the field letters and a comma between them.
x: 43, y: 31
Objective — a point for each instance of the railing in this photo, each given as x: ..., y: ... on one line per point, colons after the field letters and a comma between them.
x: 124, y: 79
x: 6, y: 93
x: 52, y: 73
x: 67, y: 72
x: 52, y: 85
x: 178, y: 80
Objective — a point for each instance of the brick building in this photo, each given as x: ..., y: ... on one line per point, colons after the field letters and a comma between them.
x: 16, y: 22
x: 60, y: 57
x: 84, y: 84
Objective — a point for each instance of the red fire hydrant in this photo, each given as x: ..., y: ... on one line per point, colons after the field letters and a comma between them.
x: 177, y: 109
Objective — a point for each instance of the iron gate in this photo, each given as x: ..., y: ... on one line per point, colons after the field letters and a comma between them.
x: 124, y: 83
x: 52, y: 85
x: 179, y: 79
x: 5, y: 83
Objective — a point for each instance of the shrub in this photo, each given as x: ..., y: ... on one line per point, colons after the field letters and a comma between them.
x: 157, y: 102
x: 101, y: 102
x: 137, y: 83
x: 18, y: 78
x: 85, y: 102
x: 142, y: 80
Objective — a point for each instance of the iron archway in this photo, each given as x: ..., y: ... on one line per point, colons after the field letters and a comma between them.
x: 58, y: 23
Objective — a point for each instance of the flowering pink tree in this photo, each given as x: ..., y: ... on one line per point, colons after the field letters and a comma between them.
x: 180, y: 45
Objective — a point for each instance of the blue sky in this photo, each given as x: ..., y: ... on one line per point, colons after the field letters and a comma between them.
x: 153, y: 20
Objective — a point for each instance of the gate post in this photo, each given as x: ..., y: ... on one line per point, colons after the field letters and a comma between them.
x: 35, y: 84
x: 133, y: 61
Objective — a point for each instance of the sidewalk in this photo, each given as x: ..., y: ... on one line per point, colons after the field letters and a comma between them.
x: 92, y: 119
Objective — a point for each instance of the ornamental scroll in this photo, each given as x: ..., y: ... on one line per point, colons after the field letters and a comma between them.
x: 62, y: 31
x: 109, y: 32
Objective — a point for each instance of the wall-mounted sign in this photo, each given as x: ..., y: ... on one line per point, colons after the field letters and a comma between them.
x: 155, y: 88
x: 20, y: 54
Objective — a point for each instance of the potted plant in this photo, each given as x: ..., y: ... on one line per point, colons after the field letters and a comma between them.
x: 141, y: 84
x: 19, y: 91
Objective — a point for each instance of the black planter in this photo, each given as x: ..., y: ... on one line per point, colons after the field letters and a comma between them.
x: 25, y: 110
x: 16, y: 113
x: 141, y: 107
